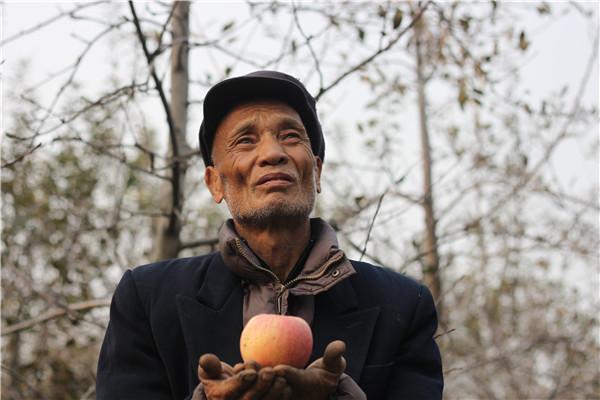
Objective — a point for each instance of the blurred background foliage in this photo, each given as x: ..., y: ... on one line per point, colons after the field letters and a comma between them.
x: 440, y: 164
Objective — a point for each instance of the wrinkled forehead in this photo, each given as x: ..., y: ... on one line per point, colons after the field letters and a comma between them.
x: 255, y: 110
x: 263, y: 105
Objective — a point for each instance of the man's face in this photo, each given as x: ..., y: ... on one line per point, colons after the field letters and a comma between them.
x: 264, y: 166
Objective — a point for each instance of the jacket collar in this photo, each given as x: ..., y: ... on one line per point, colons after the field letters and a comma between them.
x: 220, y: 283
x: 325, y: 266
x: 212, y: 321
x: 217, y: 285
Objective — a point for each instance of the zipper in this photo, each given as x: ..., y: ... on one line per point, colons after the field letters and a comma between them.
x: 244, y: 253
x: 279, y: 291
x: 282, y: 287
x: 319, y: 273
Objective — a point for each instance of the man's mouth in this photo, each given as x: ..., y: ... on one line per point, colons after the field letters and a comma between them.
x: 275, y: 178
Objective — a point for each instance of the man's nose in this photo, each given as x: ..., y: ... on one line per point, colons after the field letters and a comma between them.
x: 270, y: 151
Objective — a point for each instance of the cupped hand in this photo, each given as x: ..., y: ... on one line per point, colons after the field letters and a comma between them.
x: 319, y: 380
x: 245, y: 381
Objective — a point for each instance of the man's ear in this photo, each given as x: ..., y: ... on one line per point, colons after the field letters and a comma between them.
x: 213, y: 182
x: 318, y: 169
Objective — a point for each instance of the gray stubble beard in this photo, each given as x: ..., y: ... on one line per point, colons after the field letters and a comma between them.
x: 281, y: 212
x: 275, y: 214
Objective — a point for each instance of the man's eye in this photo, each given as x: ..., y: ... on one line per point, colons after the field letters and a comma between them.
x: 290, y: 135
x: 244, y: 140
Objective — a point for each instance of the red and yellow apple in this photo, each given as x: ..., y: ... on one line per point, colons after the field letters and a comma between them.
x: 271, y: 339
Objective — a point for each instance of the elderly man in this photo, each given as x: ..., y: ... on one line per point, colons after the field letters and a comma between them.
x: 175, y: 325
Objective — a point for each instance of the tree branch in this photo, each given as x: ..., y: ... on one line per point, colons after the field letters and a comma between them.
x: 371, y: 225
x: 55, y: 313
x: 23, y: 380
x: 176, y: 169
x: 70, y: 13
x: 69, y: 81
x: 312, y: 51
x: 21, y: 156
x: 367, y: 60
x: 198, y: 243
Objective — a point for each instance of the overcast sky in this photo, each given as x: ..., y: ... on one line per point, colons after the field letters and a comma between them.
x: 558, y: 56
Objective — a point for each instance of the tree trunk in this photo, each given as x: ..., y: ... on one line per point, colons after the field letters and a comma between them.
x: 13, y: 360
x: 430, y: 260
x: 167, y: 229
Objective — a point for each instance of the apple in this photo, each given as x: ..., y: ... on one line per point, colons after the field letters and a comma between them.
x: 271, y: 339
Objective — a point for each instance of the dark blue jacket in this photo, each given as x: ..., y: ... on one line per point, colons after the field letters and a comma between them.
x: 165, y: 315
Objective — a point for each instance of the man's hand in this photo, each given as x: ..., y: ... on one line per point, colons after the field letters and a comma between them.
x: 245, y: 381
x: 319, y: 379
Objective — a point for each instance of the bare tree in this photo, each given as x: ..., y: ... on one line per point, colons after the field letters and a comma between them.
x: 167, y: 230
x: 431, y: 260
x: 466, y: 198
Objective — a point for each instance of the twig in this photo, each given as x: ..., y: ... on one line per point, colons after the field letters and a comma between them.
x: 105, y: 99
x: 552, y: 146
x: 49, y: 21
x: 444, y: 333
x: 102, y: 149
x: 71, y: 77
x: 367, y: 60
x: 22, y: 380
x: 176, y: 169
x: 91, y: 389
x: 22, y: 156
x: 162, y: 32
x: 356, y: 247
x: 55, y: 313
x: 198, y: 243
x: 371, y: 225
x: 312, y: 51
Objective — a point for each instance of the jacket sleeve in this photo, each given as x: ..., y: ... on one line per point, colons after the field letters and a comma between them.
x: 129, y: 366
x: 418, y: 368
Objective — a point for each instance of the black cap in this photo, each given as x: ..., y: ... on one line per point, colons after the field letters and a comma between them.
x: 225, y: 95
